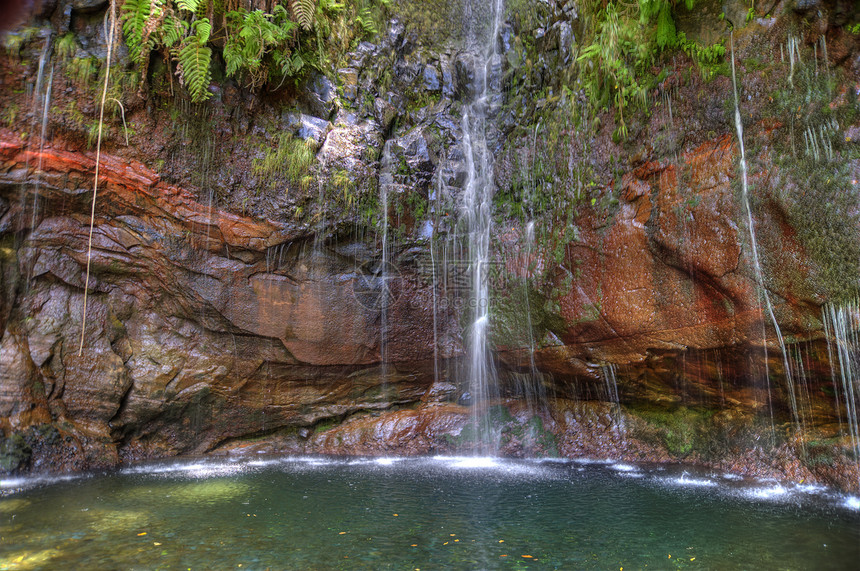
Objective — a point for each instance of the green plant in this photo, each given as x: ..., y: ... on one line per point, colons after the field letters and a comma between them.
x: 14, y: 41
x: 83, y: 70
x: 661, y: 10
x: 710, y: 59
x: 193, y: 58
x: 258, y: 46
x: 10, y: 114
x: 67, y: 46
x: 291, y: 159
x: 256, y: 35
x: 340, y: 180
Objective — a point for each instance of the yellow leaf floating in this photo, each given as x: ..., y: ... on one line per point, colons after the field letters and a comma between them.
x: 501, y: 541
x: 141, y: 534
x: 156, y: 543
x: 528, y: 556
x: 692, y: 558
x: 342, y: 533
x: 395, y: 515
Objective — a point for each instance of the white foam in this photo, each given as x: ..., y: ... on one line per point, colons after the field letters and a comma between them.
x: 477, y: 462
x: 770, y: 493
x: 624, y: 468
x: 687, y: 481
x: 26, y: 482
x: 592, y: 461
x: 809, y: 488
x: 852, y: 502
x: 16, y: 482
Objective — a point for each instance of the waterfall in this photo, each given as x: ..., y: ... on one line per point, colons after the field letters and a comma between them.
x: 475, y: 217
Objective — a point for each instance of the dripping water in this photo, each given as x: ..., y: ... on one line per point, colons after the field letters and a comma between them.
x: 610, y: 381
x: 842, y: 332
x: 758, y: 272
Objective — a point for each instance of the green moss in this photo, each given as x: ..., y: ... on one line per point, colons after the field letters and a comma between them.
x: 430, y: 20
x: 681, y: 430
x: 14, y: 452
x: 522, y: 316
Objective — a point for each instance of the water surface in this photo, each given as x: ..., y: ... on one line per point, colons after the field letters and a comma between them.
x: 430, y: 513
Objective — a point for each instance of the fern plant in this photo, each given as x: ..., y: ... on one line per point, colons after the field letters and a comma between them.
x: 137, y: 16
x: 304, y: 11
x: 193, y: 57
x: 254, y: 35
x: 258, y: 46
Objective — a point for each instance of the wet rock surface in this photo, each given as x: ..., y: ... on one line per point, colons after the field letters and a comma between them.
x: 233, y: 306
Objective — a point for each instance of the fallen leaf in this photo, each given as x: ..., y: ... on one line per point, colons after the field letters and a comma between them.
x: 342, y: 533
x: 528, y: 556
x: 395, y: 515
x: 141, y: 534
x: 156, y: 543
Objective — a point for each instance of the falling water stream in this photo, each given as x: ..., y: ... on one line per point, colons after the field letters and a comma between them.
x: 756, y: 263
x: 842, y: 330
x: 476, y: 208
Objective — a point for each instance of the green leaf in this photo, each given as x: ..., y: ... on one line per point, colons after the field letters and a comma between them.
x: 202, y: 29
x: 194, y: 59
x: 188, y: 5
x: 303, y: 12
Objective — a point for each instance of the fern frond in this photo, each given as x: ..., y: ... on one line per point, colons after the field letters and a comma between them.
x: 188, y: 5
x: 135, y: 15
x: 173, y: 30
x: 193, y: 59
x: 303, y: 12
x: 365, y: 20
x: 202, y: 29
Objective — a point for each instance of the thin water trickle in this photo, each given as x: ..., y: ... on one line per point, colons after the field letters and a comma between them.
x: 610, y: 379
x: 763, y: 292
x: 46, y: 104
x: 842, y: 331
x: 385, y: 182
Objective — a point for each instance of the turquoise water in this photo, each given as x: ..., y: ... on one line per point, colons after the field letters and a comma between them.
x: 430, y: 513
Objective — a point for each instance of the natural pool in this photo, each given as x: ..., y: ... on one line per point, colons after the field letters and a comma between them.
x: 427, y: 513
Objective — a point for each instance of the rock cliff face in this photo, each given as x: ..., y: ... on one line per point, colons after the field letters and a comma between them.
x: 234, y: 307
